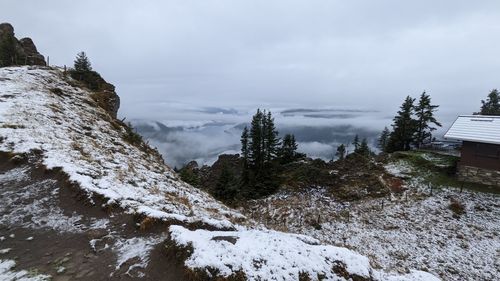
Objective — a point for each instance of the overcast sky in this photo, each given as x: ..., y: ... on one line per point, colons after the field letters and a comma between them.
x: 292, y: 53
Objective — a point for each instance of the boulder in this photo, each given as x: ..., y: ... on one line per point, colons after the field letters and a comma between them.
x: 33, y: 57
x: 19, y: 52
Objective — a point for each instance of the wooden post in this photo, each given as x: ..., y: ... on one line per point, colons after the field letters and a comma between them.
x: 48, y: 61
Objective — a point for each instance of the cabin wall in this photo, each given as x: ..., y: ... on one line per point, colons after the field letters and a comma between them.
x: 480, y: 163
x: 481, y: 155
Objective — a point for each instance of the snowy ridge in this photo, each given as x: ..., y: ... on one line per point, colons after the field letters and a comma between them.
x: 76, y: 135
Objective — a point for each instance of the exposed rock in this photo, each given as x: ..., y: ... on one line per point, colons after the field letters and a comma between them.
x: 33, y: 57
x: 24, y: 51
x: 6, y: 28
x: 104, y: 92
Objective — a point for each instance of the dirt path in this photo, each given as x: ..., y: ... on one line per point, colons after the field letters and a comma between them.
x: 48, y: 227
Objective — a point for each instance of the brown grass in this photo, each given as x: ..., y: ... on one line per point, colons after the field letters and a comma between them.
x: 457, y: 207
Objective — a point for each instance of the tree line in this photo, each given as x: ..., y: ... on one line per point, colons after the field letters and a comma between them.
x: 412, y: 126
x: 263, y: 153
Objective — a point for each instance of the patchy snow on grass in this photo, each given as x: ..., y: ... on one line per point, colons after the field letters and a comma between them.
x: 420, y: 233
x: 272, y: 255
x: 7, y: 273
x: 76, y: 135
x: 399, y: 169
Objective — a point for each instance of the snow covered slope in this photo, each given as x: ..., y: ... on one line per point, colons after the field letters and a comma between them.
x: 41, y: 110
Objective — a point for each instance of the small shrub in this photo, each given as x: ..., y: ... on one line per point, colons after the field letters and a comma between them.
x: 131, y: 136
x: 457, y: 207
x: 57, y: 91
x: 304, y: 276
x: 147, y: 223
x: 189, y: 176
x: 13, y: 126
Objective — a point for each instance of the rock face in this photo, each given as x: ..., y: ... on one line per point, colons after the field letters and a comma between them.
x: 104, y: 92
x: 17, y: 52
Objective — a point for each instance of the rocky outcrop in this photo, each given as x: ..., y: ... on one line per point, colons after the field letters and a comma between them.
x: 17, y: 52
x: 33, y: 57
x: 106, y: 97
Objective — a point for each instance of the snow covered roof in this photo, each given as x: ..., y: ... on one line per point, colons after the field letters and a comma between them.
x: 476, y: 128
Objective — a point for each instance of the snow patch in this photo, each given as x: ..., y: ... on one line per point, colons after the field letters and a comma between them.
x: 136, y: 250
x: 7, y: 273
x: 271, y: 255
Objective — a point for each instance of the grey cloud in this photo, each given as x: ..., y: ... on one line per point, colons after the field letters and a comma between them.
x: 239, y: 55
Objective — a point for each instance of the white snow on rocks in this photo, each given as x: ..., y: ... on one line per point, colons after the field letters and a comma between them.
x: 76, y: 135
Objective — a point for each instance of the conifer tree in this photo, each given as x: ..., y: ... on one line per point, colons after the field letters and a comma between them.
x: 356, y: 143
x: 403, y: 126
x: 226, y: 187
x: 341, y: 152
x: 384, y: 139
x: 245, y: 153
x: 262, y: 151
x: 492, y: 104
x: 363, y: 148
x: 271, y: 140
x: 424, y: 112
x: 256, y: 155
x: 82, y: 63
x: 288, y: 150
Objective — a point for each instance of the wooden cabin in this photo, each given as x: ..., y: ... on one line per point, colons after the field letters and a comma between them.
x: 480, y: 152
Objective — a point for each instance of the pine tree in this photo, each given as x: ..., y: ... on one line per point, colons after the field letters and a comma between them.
x: 341, y: 152
x: 403, y: 126
x: 245, y: 153
x: 271, y: 140
x: 492, y: 104
x: 82, y: 63
x: 363, y: 148
x: 384, y: 139
x: 262, y: 151
x: 424, y: 112
x: 288, y: 150
x: 256, y: 155
x: 355, y: 142
x: 226, y: 187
